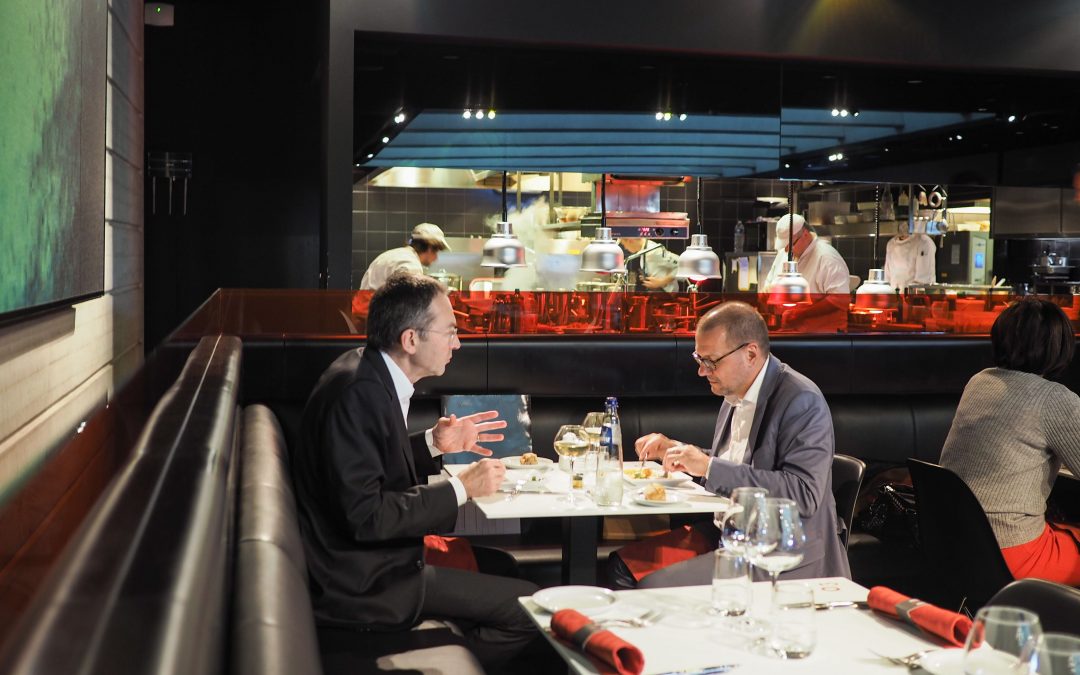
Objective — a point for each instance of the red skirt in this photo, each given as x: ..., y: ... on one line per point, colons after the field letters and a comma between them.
x: 1054, y: 555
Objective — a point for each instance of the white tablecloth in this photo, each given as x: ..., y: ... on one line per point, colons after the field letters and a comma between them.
x: 688, y: 639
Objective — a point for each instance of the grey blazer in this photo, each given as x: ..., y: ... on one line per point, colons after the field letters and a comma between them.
x: 789, y: 452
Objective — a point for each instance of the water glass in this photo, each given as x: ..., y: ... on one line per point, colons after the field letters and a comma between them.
x: 609, y: 482
x: 731, y: 590
x: 735, y: 525
x: 793, y: 634
x: 1002, y: 640
x: 1057, y: 654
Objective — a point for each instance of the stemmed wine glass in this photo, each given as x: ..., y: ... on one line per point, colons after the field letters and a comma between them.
x: 594, y: 424
x: 572, y: 440
x: 777, y: 541
x: 735, y: 537
x: 1002, y: 640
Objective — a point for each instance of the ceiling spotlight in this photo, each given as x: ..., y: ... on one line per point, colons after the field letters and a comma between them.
x: 835, y: 112
x: 399, y: 118
x: 491, y: 114
x: 480, y: 115
x: 659, y: 116
x: 467, y: 114
x: 1012, y: 118
x: 959, y: 137
x: 839, y: 156
x: 369, y: 155
x: 359, y: 164
x: 832, y: 158
x: 385, y: 139
x: 844, y: 113
x: 950, y: 138
x: 667, y: 117
x: 886, y: 149
x: 855, y: 113
x: 682, y: 117
x: 786, y: 165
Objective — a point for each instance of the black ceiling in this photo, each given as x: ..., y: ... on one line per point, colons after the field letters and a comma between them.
x: 393, y: 74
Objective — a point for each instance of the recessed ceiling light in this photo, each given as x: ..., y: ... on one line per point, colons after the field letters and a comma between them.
x: 491, y: 114
x: 369, y: 156
x: 467, y: 114
x: 659, y: 116
x: 399, y: 118
x: 835, y: 112
x: 682, y: 117
x: 1012, y: 118
x: 385, y: 139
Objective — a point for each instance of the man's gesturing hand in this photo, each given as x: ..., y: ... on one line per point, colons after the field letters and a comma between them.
x: 483, y: 478
x: 458, y: 434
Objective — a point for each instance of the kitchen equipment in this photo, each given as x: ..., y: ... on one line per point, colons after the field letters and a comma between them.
x: 964, y: 258
x: 448, y: 279
x: 747, y: 271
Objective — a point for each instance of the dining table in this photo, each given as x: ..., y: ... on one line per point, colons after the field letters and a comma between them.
x: 580, y: 523
x: 684, y: 638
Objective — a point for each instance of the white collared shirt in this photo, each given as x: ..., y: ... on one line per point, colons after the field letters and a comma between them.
x: 405, y: 390
x: 742, y: 418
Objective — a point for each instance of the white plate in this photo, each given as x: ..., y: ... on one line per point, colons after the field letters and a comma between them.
x: 943, y: 662
x: 542, y: 463
x: 674, y: 478
x: 585, y: 599
x: 669, y: 498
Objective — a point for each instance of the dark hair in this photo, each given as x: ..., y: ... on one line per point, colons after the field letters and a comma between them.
x: 401, y: 303
x: 1034, y: 336
x: 423, y: 245
x: 740, y: 323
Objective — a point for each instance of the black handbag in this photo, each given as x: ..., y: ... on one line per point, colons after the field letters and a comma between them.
x: 892, y: 515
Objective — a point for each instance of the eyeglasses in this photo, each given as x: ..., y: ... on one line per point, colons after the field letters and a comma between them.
x: 711, y: 364
x: 450, y: 334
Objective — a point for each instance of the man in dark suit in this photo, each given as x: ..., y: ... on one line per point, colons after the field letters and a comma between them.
x: 774, y: 431
x: 362, y: 491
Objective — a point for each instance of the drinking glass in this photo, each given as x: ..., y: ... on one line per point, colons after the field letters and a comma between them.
x: 730, y: 584
x: 572, y: 441
x: 1057, y: 654
x: 593, y: 423
x: 793, y: 635
x: 777, y: 541
x: 735, y: 525
x: 1002, y: 640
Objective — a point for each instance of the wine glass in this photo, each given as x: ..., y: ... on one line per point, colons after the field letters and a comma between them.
x: 1002, y: 640
x: 593, y: 423
x: 572, y: 441
x: 735, y: 526
x: 1057, y: 654
x: 777, y: 541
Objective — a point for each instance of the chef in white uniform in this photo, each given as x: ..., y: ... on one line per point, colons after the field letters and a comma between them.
x: 825, y: 272
x: 425, y: 243
x: 910, y: 260
x: 653, y: 271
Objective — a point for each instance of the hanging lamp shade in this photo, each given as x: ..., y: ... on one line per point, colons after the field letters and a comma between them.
x: 790, y: 287
x: 876, y: 293
x: 698, y: 261
x: 603, y: 254
x: 503, y: 249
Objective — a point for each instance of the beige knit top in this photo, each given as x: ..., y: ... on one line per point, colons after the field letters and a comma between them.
x: 1011, y: 433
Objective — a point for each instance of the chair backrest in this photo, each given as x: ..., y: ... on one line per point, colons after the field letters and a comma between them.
x: 956, y: 536
x: 847, y: 477
x: 1058, y: 606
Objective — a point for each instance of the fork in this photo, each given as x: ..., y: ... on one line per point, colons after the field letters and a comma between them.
x: 911, y: 661
x: 645, y: 620
x: 514, y: 491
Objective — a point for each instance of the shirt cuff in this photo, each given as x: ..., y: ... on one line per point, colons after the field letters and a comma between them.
x: 459, y: 490
x: 429, y: 438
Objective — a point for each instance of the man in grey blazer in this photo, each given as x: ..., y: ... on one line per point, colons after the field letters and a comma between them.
x: 773, y: 431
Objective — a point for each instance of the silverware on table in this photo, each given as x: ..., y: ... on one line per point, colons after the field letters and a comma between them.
x: 707, y: 670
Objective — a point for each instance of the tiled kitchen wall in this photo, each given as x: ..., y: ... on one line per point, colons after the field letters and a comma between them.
x: 383, y: 217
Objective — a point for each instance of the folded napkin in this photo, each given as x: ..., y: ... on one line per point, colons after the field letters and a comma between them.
x: 449, y: 552
x: 608, y: 652
x: 931, y: 619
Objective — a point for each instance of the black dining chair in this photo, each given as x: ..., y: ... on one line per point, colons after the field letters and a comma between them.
x: 956, y: 538
x: 1057, y: 605
x: 847, y: 477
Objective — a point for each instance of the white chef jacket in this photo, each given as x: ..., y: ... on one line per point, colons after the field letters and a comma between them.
x: 403, y: 258
x: 821, y: 264
x: 910, y: 260
x: 659, y: 262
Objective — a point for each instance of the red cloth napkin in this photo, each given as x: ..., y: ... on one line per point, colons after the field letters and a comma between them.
x: 931, y: 619
x: 449, y: 552
x: 608, y: 652
x: 655, y: 553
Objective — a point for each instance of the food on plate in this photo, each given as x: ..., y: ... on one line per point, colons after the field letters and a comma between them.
x: 655, y: 492
x: 642, y: 473
x: 529, y: 458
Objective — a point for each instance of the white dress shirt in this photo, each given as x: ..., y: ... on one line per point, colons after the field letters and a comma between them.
x: 742, y: 418
x: 405, y: 390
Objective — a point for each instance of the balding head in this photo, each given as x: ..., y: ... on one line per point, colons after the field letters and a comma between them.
x: 739, y: 322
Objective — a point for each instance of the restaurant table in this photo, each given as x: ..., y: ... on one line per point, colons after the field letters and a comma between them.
x: 580, y: 524
x: 687, y: 639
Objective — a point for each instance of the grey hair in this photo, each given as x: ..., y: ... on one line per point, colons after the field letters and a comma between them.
x: 401, y: 303
x: 740, y: 323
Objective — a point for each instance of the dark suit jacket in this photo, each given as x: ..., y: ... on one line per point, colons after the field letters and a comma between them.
x: 790, y: 453
x: 363, y: 508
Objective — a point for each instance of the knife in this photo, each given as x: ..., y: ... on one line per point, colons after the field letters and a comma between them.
x: 707, y: 670
x: 840, y: 604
